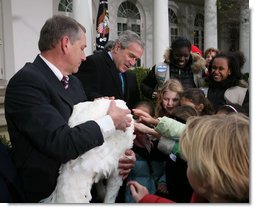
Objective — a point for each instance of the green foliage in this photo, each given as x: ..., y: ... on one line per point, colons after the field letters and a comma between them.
x: 4, y: 140
x: 245, y: 77
x: 141, y: 73
x: 225, y: 5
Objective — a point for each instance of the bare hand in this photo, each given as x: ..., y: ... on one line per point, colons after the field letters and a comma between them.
x: 146, y: 130
x: 137, y: 190
x: 145, y: 117
x: 119, y: 116
x: 162, y: 188
x: 126, y: 163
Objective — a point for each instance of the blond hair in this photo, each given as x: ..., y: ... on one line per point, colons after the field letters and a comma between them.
x: 217, y: 150
x: 173, y: 85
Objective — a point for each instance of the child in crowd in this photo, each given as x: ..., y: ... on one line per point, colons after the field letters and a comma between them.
x: 149, y: 169
x: 177, y: 182
x: 209, y: 54
x: 216, y: 148
x: 168, y: 97
x: 225, y: 82
x: 196, y: 98
x: 231, y: 108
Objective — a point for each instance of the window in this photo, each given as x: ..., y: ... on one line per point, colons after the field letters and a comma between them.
x: 174, y: 33
x: 65, y: 6
x: 173, y: 29
x: 136, y: 28
x: 199, y: 31
x: 128, y: 18
x: 128, y: 10
x: 121, y: 27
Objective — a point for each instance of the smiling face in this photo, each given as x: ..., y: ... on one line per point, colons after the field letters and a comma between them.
x: 181, y: 56
x: 125, y: 58
x: 220, y: 70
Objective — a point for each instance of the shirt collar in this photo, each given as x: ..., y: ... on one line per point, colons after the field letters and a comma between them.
x: 53, y: 68
x: 110, y: 54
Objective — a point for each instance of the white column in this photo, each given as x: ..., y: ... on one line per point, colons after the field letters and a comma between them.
x: 210, y: 25
x: 244, y: 42
x: 82, y: 12
x: 160, y: 29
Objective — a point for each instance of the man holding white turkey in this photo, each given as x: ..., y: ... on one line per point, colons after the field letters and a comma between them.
x: 39, y: 101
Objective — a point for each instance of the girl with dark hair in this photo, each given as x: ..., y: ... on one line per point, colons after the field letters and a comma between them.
x: 225, y: 84
x: 196, y: 98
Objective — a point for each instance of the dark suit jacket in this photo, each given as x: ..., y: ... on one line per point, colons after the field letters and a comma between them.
x: 100, y: 77
x: 37, y: 109
x: 10, y: 189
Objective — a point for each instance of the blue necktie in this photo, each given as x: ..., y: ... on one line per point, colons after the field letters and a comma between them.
x: 122, y: 81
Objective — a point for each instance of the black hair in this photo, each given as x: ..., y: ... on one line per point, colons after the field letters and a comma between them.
x: 233, y: 64
x: 197, y: 96
x: 180, y: 42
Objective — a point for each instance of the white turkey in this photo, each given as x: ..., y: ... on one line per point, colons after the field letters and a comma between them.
x: 76, y: 177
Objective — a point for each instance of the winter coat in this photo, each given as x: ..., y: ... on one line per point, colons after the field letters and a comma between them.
x: 149, y: 170
x: 191, y: 76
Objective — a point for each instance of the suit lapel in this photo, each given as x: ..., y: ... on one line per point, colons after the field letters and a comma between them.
x: 53, y: 81
x: 114, y: 72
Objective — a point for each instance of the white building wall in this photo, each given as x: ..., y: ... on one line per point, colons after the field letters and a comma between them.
x: 28, y: 16
x: 8, y: 49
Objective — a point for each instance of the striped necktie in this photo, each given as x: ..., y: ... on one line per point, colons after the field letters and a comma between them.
x: 122, y: 82
x: 65, y: 82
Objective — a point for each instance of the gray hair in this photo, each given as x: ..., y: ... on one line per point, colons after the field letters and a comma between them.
x: 127, y: 37
x: 57, y: 27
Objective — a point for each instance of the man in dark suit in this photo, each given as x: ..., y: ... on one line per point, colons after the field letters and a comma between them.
x: 107, y: 73
x: 38, y: 107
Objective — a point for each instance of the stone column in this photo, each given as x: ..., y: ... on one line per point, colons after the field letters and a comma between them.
x: 244, y: 42
x: 210, y: 25
x: 82, y: 12
x: 160, y: 29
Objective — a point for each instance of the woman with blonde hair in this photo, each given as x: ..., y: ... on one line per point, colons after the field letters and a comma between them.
x: 168, y: 97
x: 216, y: 149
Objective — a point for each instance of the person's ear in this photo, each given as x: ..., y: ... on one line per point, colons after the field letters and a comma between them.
x: 117, y: 46
x: 64, y: 43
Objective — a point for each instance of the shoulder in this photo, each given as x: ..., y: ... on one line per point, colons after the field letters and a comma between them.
x: 102, y: 55
x: 235, y: 94
x: 97, y: 60
x: 236, y: 90
x: 130, y: 73
x: 27, y: 74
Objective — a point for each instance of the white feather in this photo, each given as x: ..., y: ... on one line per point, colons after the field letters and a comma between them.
x: 76, y: 177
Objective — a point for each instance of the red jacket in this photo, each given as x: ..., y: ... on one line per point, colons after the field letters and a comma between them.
x: 150, y: 198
